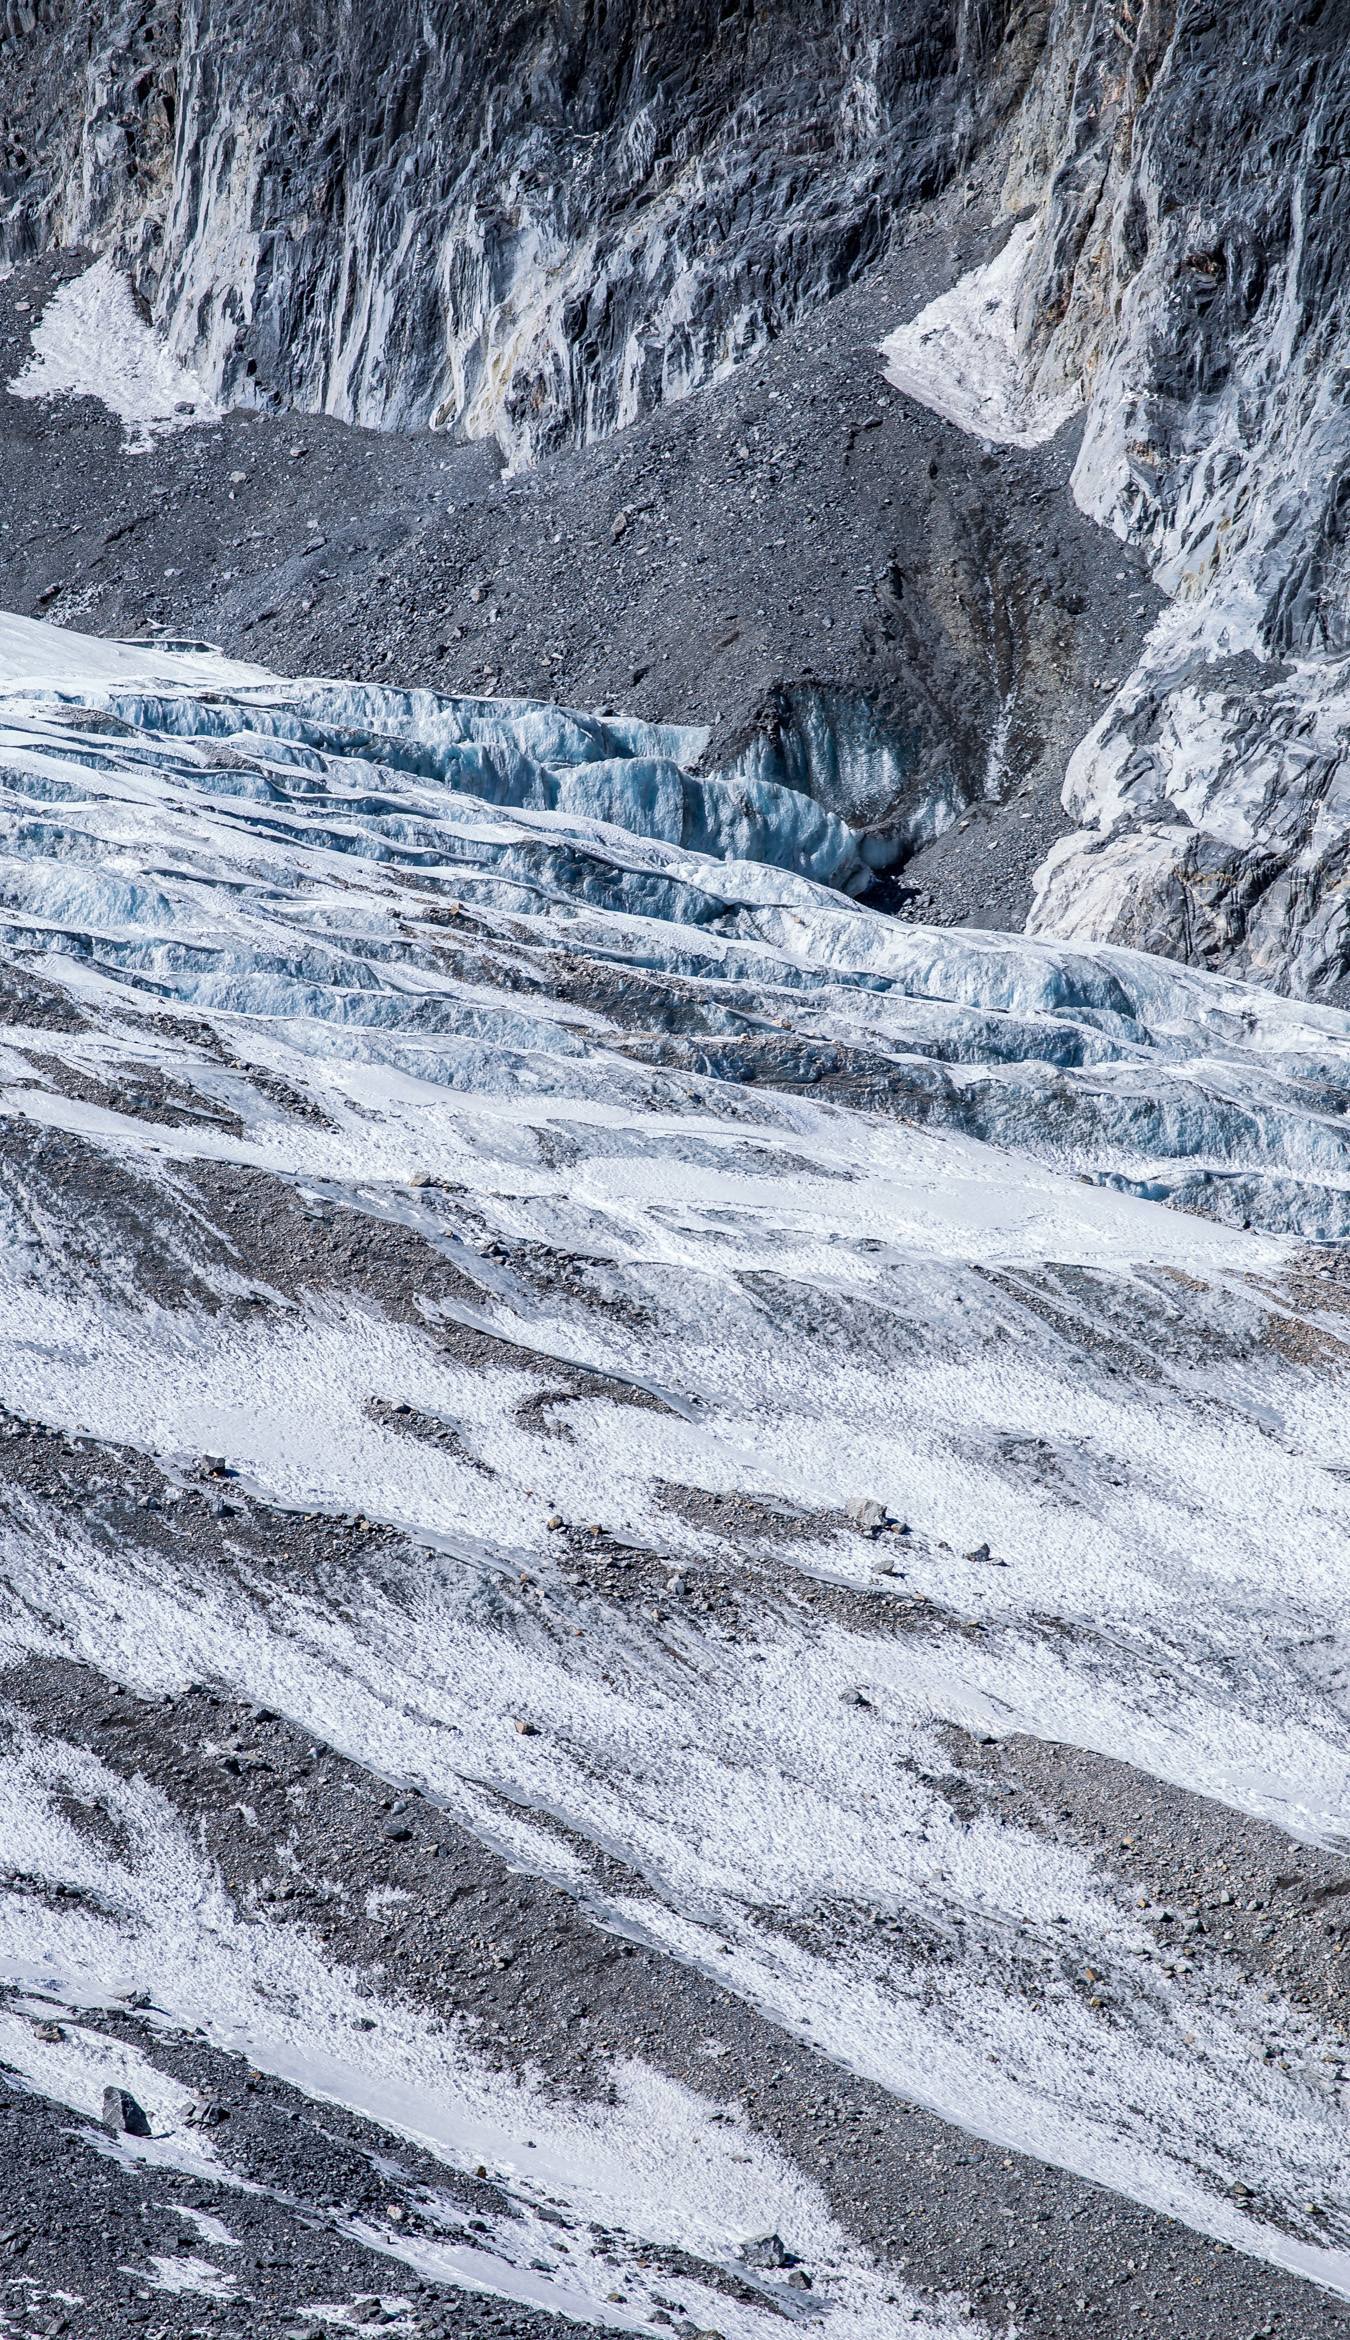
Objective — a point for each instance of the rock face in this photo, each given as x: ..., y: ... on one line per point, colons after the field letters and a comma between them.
x: 1193, y: 263
x: 533, y: 227
x: 1213, y: 803
x: 526, y: 221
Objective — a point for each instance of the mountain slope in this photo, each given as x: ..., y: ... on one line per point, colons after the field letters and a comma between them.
x: 537, y: 229
x: 674, y: 1495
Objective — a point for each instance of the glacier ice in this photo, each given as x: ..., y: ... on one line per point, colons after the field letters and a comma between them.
x: 716, y: 1183
x: 129, y: 808
x: 831, y: 746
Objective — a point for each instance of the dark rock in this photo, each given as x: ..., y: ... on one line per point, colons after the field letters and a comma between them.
x: 768, y: 2251
x: 208, y: 2115
x: 123, y: 2114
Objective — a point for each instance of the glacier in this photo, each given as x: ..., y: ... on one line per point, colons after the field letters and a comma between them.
x: 435, y: 1115
x: 674, y: 1638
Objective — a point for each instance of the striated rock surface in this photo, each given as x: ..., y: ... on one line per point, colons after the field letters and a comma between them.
x: 535, y: 228
x: 521, y: 221
x: 1188, y: 258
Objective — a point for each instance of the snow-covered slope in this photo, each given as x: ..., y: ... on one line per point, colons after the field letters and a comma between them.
x: 467, y: 1250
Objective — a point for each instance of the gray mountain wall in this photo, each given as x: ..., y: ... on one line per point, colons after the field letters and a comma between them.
x: 529, y: 220
x: 536, y: 224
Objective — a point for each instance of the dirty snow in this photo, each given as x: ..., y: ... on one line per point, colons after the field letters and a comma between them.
x: 916, y: 1207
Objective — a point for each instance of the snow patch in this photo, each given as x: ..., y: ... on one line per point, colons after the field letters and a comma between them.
x: 962, y: 356
x: 91, y: 341
x: 190, y: 2276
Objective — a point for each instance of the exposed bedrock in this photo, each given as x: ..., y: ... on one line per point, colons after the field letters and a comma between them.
x: 526, y: 221
x: 540, y: 224
x: 541, y: 229
x: 1212, y: 804
x: 1188, y: 259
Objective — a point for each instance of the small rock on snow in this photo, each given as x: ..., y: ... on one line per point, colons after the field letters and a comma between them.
x: 122, y: 2114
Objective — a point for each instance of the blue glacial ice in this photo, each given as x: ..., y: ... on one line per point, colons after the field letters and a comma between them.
x: 208, y: 835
